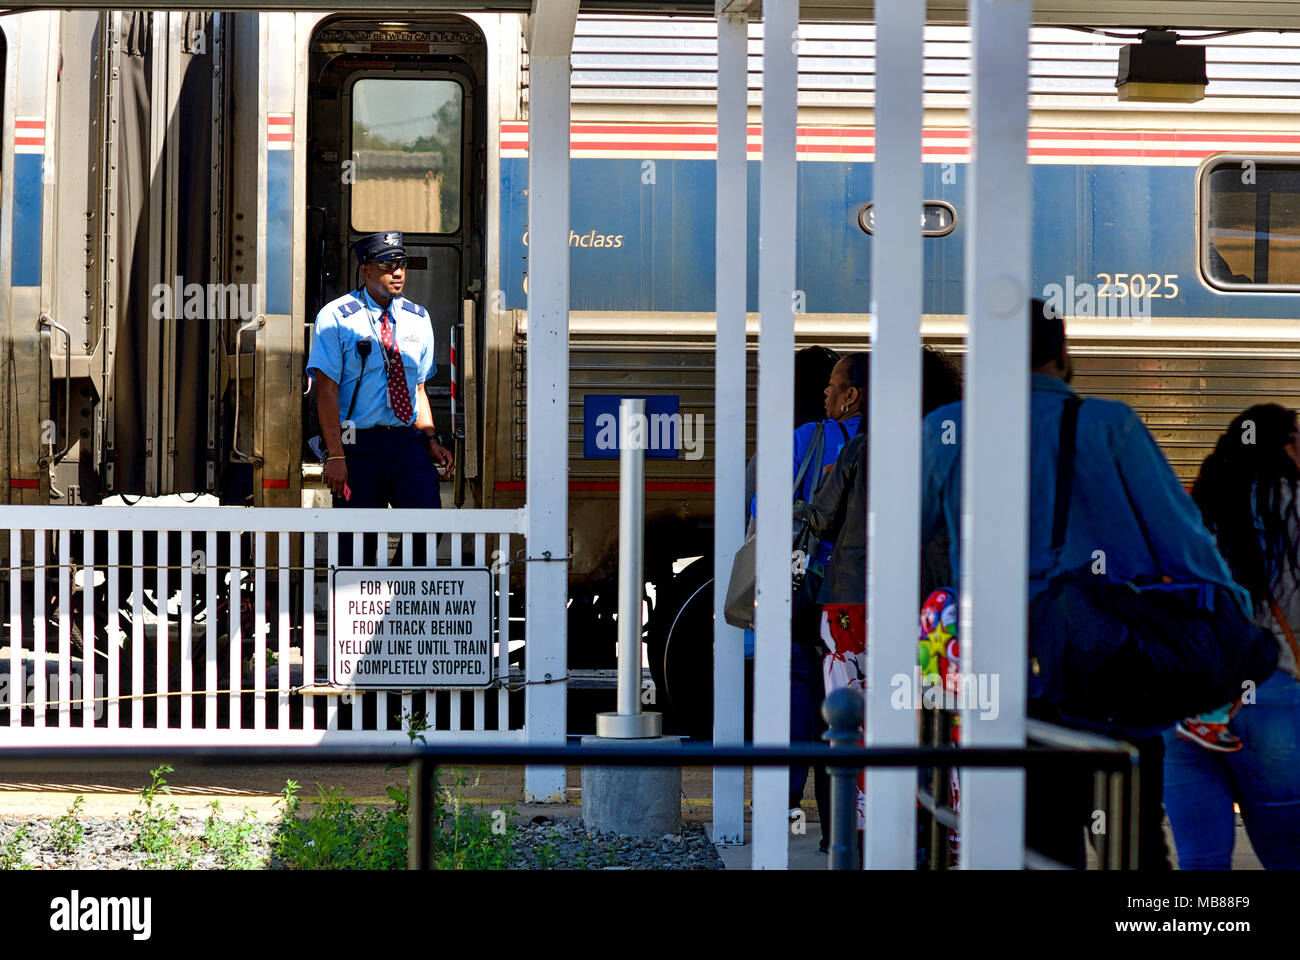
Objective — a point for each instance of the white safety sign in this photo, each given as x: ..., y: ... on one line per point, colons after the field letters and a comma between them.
x: 409, y: 628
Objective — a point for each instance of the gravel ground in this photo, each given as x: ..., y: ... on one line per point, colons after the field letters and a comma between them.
x: 567, y: 845
x: 543, y: 843
x: 108, y: 842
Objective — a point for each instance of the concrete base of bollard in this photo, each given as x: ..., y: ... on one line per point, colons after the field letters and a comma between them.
x: 634, y: 801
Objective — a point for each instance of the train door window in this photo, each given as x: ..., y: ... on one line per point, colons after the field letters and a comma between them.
x: 406, y: 146
x: 1250, y: 223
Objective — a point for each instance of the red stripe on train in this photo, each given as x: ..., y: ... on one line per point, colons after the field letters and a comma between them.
x: 930, y: 133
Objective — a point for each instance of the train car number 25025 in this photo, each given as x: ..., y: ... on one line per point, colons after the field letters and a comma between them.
x: 1138, y: 285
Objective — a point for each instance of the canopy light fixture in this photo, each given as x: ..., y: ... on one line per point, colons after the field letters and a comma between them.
x: 1158, y: 70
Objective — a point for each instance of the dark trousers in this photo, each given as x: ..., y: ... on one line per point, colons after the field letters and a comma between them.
x: 389, y: 467
x: 807, y: 690
x: 1059, y: 808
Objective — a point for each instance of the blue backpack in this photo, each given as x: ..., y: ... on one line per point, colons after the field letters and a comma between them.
x: 1136, y: 656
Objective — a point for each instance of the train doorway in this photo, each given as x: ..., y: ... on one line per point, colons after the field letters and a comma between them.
x: 397, y: 141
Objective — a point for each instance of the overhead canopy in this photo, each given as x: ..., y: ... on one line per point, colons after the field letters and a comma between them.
x: 1184, y: 14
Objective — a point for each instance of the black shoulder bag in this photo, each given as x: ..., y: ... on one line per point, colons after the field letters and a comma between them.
x: 1123, y: 656
x: 317, y: 443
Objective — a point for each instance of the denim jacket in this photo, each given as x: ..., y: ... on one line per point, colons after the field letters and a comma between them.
x: 1125, y: 500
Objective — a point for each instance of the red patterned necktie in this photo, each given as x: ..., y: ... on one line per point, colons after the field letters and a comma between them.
x: 399, y: 397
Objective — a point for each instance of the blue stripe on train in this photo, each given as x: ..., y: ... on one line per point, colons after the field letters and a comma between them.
x: 649, y: 246
x: 279, y: 231
x: 28, y: 212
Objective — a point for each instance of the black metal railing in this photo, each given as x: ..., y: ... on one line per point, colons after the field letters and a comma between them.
x: 1114, y: 765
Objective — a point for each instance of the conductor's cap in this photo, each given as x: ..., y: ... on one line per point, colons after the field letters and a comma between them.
x: 376, y: 247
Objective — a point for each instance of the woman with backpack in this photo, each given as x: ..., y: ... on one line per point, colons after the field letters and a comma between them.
x: 1248, y: 491
x: 817, y: 445
x: 838, y: 512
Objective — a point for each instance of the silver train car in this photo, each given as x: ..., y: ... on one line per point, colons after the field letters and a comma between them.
x: 180, y: 191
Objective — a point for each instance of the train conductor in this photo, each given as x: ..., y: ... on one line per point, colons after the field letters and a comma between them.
x: 371, y: 354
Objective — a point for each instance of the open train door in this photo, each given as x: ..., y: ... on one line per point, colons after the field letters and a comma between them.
x: 397, y: 141
x: 199, y: 362
x: 153, y: 251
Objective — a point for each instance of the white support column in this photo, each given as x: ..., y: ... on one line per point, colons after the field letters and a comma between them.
x: 729, y: 414
x: 893, y: 568
x: 550, y: 40
x: 995, y: 444
x: 776, y: 279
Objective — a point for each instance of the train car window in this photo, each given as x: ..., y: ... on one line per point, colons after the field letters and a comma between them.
x: 406, y: 145
x: 1250, y: 223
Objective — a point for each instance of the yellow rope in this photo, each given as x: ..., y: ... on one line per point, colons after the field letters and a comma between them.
x: 344, y: 691
x: 147, y: 696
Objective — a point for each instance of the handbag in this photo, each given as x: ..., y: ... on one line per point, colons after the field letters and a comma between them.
x: 1130, y: 656
x: 739, y: 608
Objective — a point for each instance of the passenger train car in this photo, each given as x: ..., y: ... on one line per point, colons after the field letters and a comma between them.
x: 180, y: 192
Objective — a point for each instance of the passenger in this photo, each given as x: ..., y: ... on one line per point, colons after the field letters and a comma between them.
x: 813, y: 367
x: 940, y: 385
x: 1247, y: 492
x: 812, y: 371
x: 842, y: 401
x: 839, y: 512
x: 1126, y: 502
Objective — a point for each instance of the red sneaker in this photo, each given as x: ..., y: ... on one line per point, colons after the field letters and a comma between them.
x: 1211, y: 736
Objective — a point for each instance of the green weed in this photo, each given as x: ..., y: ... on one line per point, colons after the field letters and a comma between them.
x: 67, y: 832
x: 468, y: 838
x: 159, y: 827
x: 232, y: 843
x: 11, y: 852
x: 338, y: 835
x: 582, y: 857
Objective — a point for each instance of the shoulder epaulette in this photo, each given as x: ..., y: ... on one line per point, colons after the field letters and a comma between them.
x: 414, y: 308
x: 349, y: 307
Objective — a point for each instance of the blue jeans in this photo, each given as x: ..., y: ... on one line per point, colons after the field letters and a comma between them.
x: 1263, y: 778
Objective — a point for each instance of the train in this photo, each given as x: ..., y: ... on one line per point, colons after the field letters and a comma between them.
x: 181, y: 189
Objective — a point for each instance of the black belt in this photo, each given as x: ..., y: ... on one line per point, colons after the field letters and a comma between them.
x: 404, y: 426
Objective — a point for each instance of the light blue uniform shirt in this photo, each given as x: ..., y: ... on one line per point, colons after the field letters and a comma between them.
x: 345, y: 322
x: 1125, y: 501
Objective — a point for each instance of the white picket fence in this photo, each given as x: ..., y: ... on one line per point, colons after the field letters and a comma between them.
x: 141, y: 638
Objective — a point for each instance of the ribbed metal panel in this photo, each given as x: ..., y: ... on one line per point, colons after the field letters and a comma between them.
x: 675, y: 59
x: 1186, y: 397
x: 1188, y: 401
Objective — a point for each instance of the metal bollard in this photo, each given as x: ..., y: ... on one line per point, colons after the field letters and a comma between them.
x: 630, y: 723
x: 421, y: 830
x: 843, y: 711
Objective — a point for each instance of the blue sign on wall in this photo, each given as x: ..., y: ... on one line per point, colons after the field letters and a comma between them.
x: 661, y: 431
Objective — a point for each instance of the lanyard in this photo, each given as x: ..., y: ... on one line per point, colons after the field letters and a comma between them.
x: 383, y: 351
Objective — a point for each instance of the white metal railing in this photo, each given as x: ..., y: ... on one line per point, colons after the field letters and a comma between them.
x: 130, y: 625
